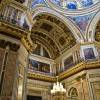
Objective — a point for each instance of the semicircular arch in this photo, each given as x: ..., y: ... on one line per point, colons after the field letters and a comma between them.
x: 75, y: 31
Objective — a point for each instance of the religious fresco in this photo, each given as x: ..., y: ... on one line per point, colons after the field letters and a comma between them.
x: 89, y: 53
x: 65, y: 4
x: 39, y: 66
x: 82, y: 21
x: 68, y: 62
x: 86, y: 3
x: 37, y: 2
x: 73, y: 4
x: 57, y: 2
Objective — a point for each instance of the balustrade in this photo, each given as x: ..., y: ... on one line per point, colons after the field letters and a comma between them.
x: 13, y: 22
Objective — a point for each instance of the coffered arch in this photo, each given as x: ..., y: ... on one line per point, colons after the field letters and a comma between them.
x: 39, y: 38
x: 72, y: 26
x: 73, y: 94
x: 52, y: 33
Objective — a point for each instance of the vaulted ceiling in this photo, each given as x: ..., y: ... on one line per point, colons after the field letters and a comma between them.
x: 53, y: 34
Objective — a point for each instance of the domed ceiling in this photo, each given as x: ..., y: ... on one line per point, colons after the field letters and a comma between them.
x: 74, y: 4
x: 67, y: 4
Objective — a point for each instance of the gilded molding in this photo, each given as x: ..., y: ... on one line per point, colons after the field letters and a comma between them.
x: 11, y: 29
x: 28, y: 45
x: 79, y: 67
x: 75, y: 69
x: 16, y: 32
x: 47, y: 78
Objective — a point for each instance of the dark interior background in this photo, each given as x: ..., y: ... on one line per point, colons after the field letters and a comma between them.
x: 29, y: 97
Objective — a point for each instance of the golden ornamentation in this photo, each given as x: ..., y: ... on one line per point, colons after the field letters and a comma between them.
x: 28, y: 45
x: 37, y: 76
x: 10, y: 29
x: 79, y: 67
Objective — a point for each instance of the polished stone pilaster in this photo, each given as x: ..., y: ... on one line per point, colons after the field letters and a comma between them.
x: 8, y: 70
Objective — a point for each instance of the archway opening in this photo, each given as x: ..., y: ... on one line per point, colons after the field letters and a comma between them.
x: 73, y: 94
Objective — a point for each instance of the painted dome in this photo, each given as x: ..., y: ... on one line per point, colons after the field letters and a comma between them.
x: 65, y: 4
x: 73, y: 4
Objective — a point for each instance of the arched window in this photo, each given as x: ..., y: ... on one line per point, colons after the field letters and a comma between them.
x: 40, y: 50
x: 73, y: 94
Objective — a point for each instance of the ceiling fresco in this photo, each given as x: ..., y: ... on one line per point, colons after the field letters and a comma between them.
x: 82, y: 21
x: 66, y: 4
x: 74, y: 4
x: 37, y: 3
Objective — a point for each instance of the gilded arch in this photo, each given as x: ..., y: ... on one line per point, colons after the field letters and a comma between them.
x: 75, y: 31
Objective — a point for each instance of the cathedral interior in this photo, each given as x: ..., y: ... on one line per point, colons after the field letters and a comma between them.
x: 47, y: 41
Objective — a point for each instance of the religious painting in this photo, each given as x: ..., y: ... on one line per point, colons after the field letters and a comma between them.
x: 39, y: 66
x: 72, y: 5
x: 89, y: 53
x: 57, y: 2
x: 86, y: 3
x: 82, y: 21
x: 36, y: 2
x: 68, y: 62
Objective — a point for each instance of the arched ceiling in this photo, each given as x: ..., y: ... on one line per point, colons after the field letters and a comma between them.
x: 97, y: 32
x: 53, y: 34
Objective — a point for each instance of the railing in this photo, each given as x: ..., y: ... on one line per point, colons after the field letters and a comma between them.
x: 14, y: 22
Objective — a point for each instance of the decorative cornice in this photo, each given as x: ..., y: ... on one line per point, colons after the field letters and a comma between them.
x: 37, y: 76
x: 12, y: 30
x: 75, y: 69
x: 17, y: 32
x: 85, y: 65
x: 28, y: 45
x: 12, y: 46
